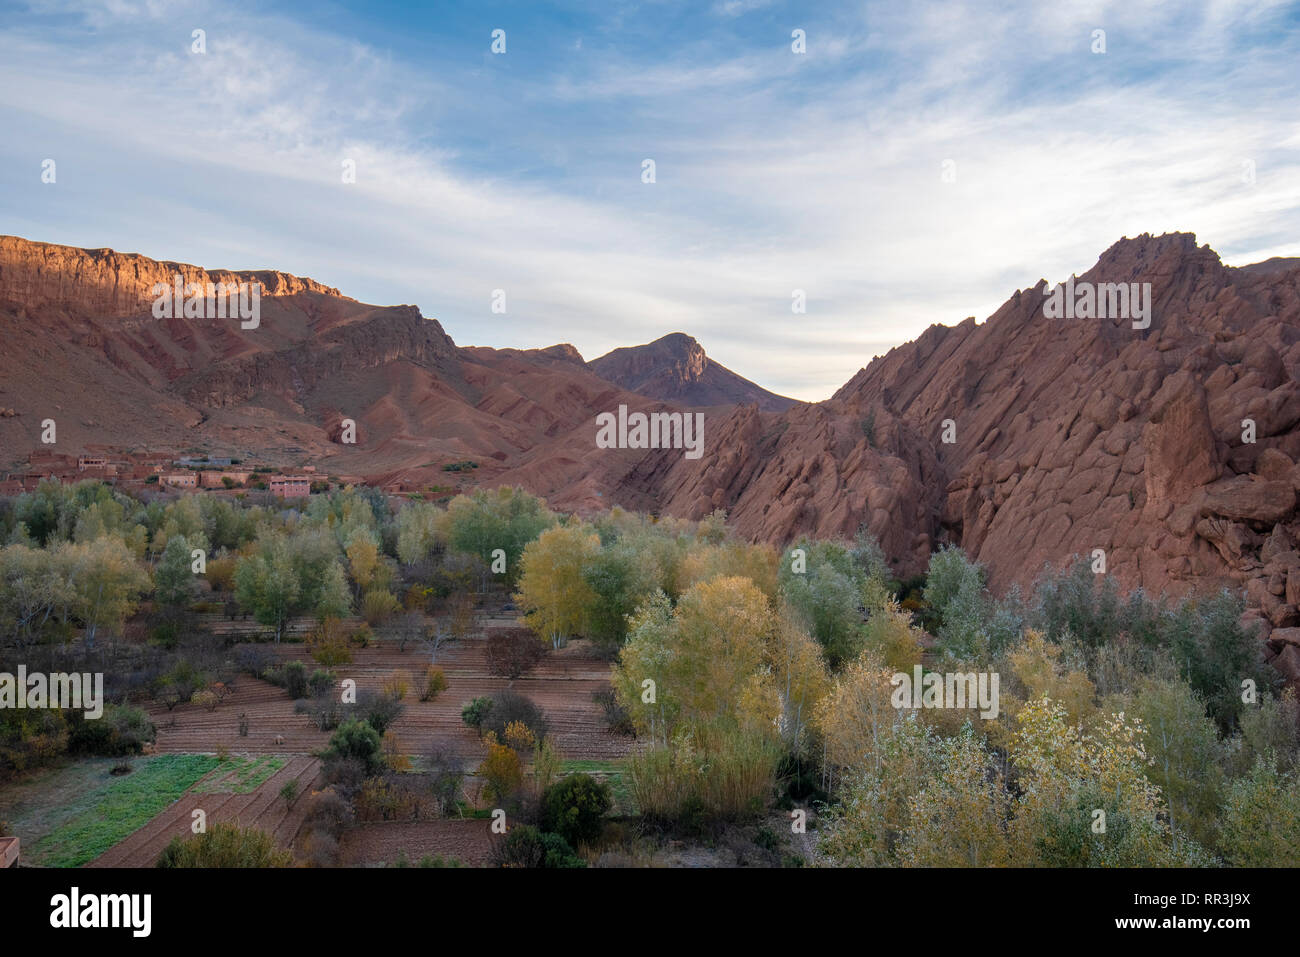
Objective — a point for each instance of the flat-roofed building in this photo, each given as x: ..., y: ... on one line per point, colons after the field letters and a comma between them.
x: 290, y: 486
x: 181, y: 479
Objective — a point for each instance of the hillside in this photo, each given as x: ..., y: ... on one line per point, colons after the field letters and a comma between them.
x: 1068, y: 435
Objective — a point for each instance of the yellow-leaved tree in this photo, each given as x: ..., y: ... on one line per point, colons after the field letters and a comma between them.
x: 552, y: 590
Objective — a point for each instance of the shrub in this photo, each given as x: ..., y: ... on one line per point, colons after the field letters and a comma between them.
x: 476, y: 712
x: 252, y: 659
x: 435, y: 682
x: 575, y: 807
x: 396, y: 686
x: 501, y: 771
x: 386, y: 798
x: 204, y: 699
x: 321, y: 682
x: 617, y: 718
x: 509, y: 707
x: 324, y: 710
x: 445, y: 778
x: 294, y: 678
x: 121, y: 730
x: 30, y: 738
x: 328, y: 813
x: 526, y: 846
x: 378, y: 710
x: 377, y: 606
x: 357, y: 739
x: 225, y: 845
x: 513, y: 652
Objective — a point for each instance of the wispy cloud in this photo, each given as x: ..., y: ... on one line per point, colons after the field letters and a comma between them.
x: 775, y: 171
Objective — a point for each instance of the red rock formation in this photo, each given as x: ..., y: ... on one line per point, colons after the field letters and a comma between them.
x: 674, y: 368
x: 1068, y: 435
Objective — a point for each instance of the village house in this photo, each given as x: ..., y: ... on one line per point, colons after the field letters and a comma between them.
x: 181, y: 479
x: 290, y: 486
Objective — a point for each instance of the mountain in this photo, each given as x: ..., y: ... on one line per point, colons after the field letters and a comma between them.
x: 675, y: 369
x: 1026, y: 439
x: 1068, y: 436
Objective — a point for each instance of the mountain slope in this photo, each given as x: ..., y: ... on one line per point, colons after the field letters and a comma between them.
x: 1025, y: 439
x: 674, y: 368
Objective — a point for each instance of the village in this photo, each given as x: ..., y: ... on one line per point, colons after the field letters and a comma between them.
x: 162, y: 471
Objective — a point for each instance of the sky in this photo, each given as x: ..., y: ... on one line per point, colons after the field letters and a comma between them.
x: 916, y: 163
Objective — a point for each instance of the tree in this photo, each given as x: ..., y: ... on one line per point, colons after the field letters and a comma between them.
x: 552, y: 587
x: 174, y: 584
x: 363, y: 558
x: 268, y: 584
x: 106, y: 581
x: 575, y: 808
x: 417, y: 524
x: 1261, y: 817
x: 513, y: 652
x: 949, y: 571
x: 1185, y: 752
x: 826, y: 593
x: 620, y: 577
x: 505, y: 518
x: 335, y: 600
x: 706, y: 658
x: 357, y: 739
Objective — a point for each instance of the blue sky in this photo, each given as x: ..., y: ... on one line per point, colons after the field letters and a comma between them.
x: 775, y: 171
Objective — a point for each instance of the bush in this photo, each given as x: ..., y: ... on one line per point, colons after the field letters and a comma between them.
x: 324, y: 710
x: 526, y: 846
x: 121, y: 730
x: 377, y: 606
x: 294, y: 679
x: 321, y: 682
x: 328, y: 813
x: 204, y: 699
x: 509, y: 707
x: 575, y: 807
x: 513, y: 652
x: 378, y: 710
x: 476, y: 712
x: 435, y: 682
x: 252, y: 659
x: 445, y: 778
x: 501, y: 772
x: 225, y: 845
x: 396, y: 686
x: 617, y: 718
x: 357, y: 739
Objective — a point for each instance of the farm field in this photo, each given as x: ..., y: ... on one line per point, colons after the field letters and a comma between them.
x: 225, y: 796
x: 562, y: 685
x: 201, y: 761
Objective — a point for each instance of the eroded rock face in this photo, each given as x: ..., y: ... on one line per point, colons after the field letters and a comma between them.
x: 1025, y: 439
x: 105, y: 283
x: 674, y: 368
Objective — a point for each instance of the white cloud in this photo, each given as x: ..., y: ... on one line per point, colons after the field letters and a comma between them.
x: 775, y: 172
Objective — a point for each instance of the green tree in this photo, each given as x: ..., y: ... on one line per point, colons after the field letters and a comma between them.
x: 269, y: 586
